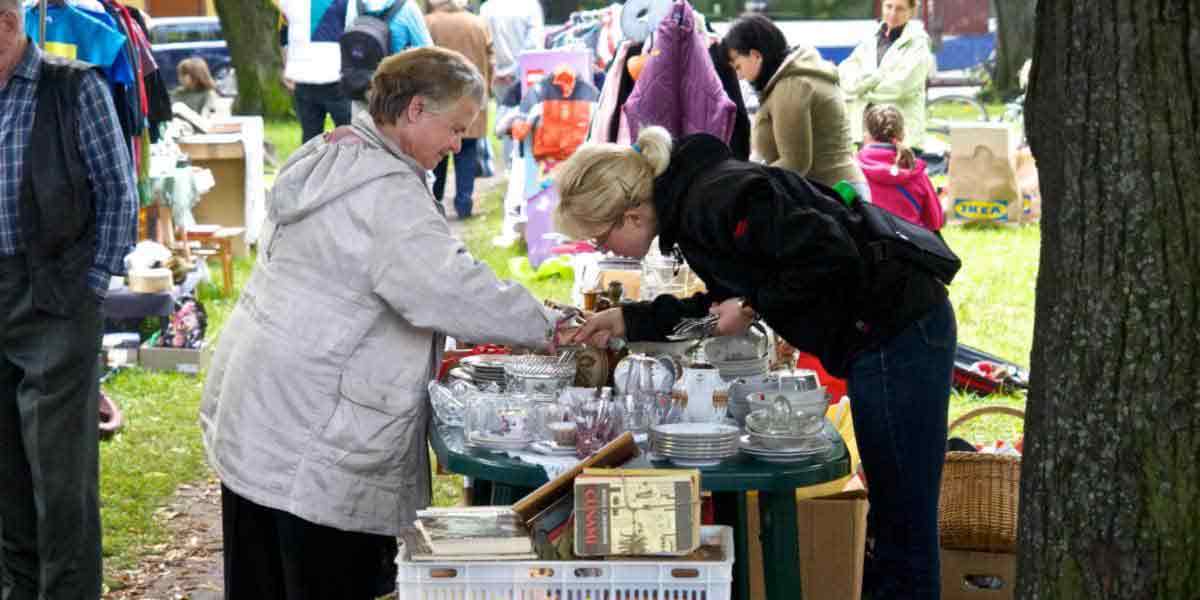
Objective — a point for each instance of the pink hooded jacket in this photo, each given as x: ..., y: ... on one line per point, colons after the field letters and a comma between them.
x: 906, y: 193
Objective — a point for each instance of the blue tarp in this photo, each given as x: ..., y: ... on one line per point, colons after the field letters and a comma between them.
x: 958, y: 52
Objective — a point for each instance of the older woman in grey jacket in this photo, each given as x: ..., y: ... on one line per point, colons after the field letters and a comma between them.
x: 315, y: 411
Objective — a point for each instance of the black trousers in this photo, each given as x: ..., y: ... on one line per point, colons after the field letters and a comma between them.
x: 313, y: 101
x: 271, y: 554
x: 49, y: 445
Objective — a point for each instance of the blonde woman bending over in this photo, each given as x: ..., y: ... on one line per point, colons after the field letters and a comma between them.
x: 767, y: 241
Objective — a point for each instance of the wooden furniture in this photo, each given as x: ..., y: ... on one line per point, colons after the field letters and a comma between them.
x: 214, y: 240
x: 225, y: 203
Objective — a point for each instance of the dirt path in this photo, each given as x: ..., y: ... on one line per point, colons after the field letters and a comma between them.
x: 190, y: 566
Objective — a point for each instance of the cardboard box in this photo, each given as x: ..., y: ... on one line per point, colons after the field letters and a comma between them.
x: 983, y: 175
x: 970, y: 575
x: 179, y: 360
x: 632, y: 512
x: 833, y: 534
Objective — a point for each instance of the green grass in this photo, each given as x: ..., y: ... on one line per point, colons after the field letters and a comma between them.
x: 160, y: 445
x: 993, y: 297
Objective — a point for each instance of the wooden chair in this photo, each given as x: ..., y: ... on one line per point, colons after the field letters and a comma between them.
x: 213, y: 240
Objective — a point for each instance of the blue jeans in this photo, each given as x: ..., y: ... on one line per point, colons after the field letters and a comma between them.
x: 313, y: 101
x: 901, y: 394
x: 465, y: 161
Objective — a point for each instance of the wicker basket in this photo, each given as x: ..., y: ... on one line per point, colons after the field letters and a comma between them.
x: 980, y: 495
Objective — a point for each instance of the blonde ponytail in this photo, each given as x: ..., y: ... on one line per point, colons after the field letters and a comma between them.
x: 655, y: 145
x: 599, y: 182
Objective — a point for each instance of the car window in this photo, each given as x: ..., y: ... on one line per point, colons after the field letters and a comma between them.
x: 176, y: 33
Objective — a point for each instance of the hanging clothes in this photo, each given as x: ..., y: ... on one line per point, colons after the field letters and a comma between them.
x: 73, y: 33
x: 679, y: 89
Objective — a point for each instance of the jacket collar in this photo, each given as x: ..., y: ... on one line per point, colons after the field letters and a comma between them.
x: 692, y: 155
x: 783, y: 66
x: 364, y: 126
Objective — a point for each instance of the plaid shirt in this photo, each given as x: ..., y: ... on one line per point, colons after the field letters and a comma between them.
x: 105, y: 152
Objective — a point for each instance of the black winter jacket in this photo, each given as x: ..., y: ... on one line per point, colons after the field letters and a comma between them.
x: 786, y: 244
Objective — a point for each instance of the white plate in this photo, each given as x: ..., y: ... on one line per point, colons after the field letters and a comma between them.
x: 694, y: 463
x: 497, y: 443
x: 552, y: 449
x: 818, y: 445
x: 696, y: 430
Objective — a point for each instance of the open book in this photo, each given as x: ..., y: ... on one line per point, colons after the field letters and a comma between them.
x: 474, y: 530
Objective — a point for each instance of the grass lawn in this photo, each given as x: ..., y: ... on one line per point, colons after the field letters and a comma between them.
x: 160, y: 446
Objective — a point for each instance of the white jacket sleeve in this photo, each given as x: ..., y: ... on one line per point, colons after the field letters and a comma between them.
x: 427, y: 275
x: 857, y: 73
x: 902, y: 73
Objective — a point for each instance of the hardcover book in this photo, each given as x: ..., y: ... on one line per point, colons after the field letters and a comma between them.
x: 648, y: 512
x: 473, y: 531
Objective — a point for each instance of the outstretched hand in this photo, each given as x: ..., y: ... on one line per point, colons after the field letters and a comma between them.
x: 733, y: 317
x: 601, y: 327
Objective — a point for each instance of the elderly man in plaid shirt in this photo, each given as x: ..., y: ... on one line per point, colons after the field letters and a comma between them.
x: 67, y: 219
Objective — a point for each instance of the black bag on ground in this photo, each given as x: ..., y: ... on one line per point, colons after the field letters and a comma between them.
x: 364, y: 45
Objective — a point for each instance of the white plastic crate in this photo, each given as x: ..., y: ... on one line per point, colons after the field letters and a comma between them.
x: 573, y: 580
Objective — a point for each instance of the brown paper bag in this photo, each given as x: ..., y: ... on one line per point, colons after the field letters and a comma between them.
x: 983, y: 175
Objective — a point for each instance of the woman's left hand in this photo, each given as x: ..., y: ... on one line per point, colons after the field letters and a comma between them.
x: 733, y: 317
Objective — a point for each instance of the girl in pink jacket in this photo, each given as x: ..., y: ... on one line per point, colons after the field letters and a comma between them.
x: 896, y: 176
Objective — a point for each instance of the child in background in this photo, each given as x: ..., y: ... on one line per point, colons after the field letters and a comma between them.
x: 897, y: 177
x: 196, y: 87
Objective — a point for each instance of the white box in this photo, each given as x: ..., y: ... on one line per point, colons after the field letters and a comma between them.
x: 572, y: 579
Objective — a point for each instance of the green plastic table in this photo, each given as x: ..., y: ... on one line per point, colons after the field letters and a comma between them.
x: 498, y: 479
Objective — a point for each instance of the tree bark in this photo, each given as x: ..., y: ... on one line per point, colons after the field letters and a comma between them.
x: 251, y: 29
x: 1015, y: 28
x: 1110, y: 485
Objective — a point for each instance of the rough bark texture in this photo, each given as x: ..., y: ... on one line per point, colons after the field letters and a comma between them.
x: 1111, y: 479
x: 1015, y: 25
x: 251, y: 29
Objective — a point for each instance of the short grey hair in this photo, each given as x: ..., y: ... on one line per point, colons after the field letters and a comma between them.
x: 7, y: 5
x: 439, y: 75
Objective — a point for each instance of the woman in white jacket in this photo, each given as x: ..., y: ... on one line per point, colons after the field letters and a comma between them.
x: 315, y: 412
x: 890, y: 67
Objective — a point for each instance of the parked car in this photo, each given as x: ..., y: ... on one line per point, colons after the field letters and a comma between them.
x: 173, y: 39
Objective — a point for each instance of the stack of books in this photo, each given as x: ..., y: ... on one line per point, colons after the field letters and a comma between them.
x: 471, y: 533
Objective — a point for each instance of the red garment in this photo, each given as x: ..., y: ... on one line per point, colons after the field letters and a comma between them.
x: 906, y: 193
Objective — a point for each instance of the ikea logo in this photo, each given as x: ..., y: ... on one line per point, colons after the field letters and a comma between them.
x: 981, y: 210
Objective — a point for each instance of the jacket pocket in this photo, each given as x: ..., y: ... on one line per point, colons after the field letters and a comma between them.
x: 372, y: 428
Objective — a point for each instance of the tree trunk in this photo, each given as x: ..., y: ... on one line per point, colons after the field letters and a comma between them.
x: 1015, y: 27
x: 1110, y: 486
x: 251, y: 29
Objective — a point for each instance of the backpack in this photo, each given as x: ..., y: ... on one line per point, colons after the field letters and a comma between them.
x: 364, y: 45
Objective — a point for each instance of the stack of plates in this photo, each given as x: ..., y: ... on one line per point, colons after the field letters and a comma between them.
x: 485, y: 369
x: 695, y: 444
x: 734, y: 369
x: 486, y: 441
x: 808, y: 447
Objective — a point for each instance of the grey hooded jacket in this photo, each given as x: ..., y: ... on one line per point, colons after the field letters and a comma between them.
x: 315, y: 401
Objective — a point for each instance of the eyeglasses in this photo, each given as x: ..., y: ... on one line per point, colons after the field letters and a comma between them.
x: 601, y: 241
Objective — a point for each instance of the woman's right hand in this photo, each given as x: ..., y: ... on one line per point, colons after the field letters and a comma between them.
x: 600, y: 328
